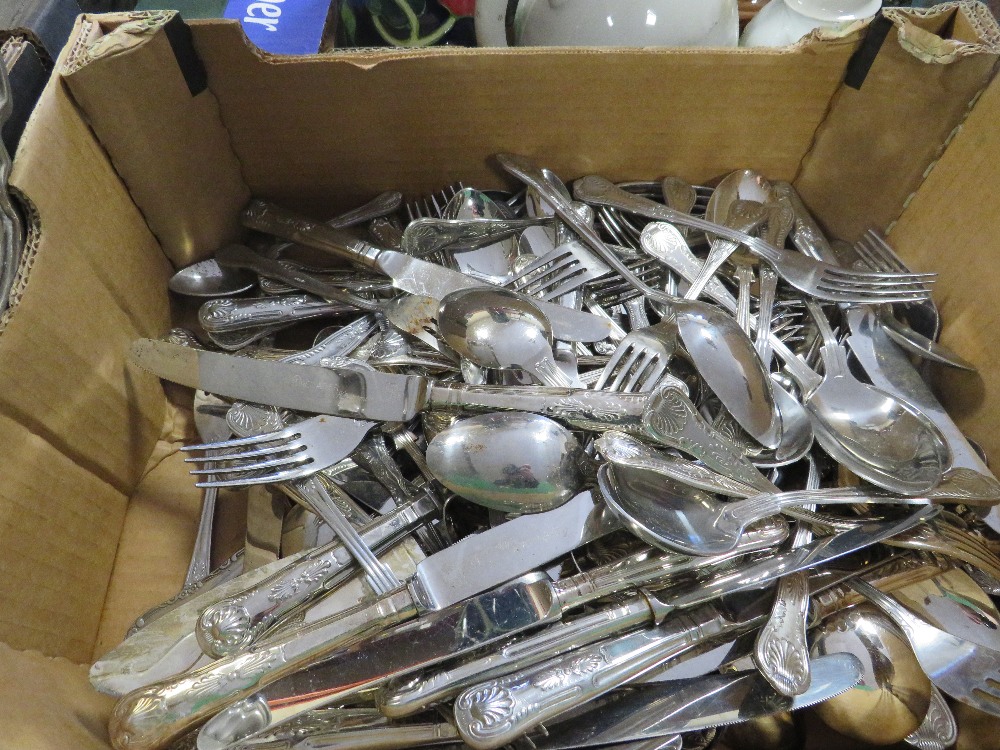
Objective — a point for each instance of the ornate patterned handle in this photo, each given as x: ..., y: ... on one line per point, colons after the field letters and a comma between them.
x: 268, y: 218
x: 589, y: 410
x: 230, y: 625
x: 673, y: 420
x: 151, y: 717
x: 221, y: 315
x: 781, y: 651
x: 427, y: 236
x: 491, y: 714
x: 415, y: 695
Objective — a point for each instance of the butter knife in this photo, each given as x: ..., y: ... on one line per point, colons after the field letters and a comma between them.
x: 407, y: 273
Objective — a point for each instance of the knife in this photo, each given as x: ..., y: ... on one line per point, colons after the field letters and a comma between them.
x: 168, y: 645
x: 477, y: 563
x: 641, y: 569
x: 532, y: 696
x: 357, y: 390
x: 407, y: 273
x: 480, y: 622
x: 658, y: 709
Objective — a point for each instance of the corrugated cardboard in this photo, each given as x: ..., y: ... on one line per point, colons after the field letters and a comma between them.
x: 128, y: 162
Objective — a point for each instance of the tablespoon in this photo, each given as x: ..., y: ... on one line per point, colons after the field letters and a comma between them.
x: 500, y: 329
x: 958, y: 667
x: 207, y: 278
x: 672, y: 515
x: 664, y: 242
x: 511, y: 461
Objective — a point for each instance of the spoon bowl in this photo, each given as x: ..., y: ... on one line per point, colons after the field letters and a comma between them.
x: 894, y: 694
x: 208, y: 279
x: 515, y: 462
x: 500, y: 329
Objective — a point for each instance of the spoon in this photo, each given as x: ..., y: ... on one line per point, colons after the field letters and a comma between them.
x: 872, y: 432
x: 673, y: 515
x: 208, y: 279
x: 894, y: 694
x: 500, y: 329
x: 619, y: 448
x: 511, y: 461
x: 720, y: 350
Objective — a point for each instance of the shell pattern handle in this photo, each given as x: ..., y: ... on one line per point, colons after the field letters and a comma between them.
x: 225, y: 314
x: 590, y: 410
x: 671, y: 419
x: 232, y: 624
x: 153, y: 716
x: 493, y: 713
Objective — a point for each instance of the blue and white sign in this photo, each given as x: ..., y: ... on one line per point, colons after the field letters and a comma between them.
x: 290, y: 27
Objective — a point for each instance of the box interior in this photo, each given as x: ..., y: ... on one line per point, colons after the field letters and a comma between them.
x: 140, y: 155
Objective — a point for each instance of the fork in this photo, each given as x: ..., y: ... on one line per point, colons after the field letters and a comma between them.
x: 962, y: 669
x: 945, y: 539
x: 640, y: 361
x: 560, y: 271
x: 433, y: 205
x: 298, y: 450
x: 820, y: 280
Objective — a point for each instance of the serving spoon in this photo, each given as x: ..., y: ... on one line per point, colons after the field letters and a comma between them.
x: 673, y: 515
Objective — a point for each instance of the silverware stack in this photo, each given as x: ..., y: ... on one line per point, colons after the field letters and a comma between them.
x: 604, y: 425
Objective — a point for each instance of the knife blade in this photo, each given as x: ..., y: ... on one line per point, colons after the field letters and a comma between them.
x: 482, y: 621
x: 658, y: 709
x: 357, y: 390
x: 407, y: 273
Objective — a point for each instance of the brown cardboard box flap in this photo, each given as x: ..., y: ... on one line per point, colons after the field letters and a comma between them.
x: 878, y: 140
x: 161, y: 128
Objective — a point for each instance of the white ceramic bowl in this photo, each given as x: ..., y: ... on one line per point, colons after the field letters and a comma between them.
x: 784, y: 22
x: 615, y: 23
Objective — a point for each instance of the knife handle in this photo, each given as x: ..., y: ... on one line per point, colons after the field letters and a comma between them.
x: 586, y: 409
x: 493, y: 713
x: 231, y: 624
x: 221, y: 315
x: 414, y: 695
x: 153, y: 716
x: 240, y: 256
x: 271, y: 219
x: 650, y: 566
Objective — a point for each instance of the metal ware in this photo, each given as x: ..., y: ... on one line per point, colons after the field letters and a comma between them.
x: 409, y: 274
x: 820, y: 280
x: 509, y: 461
x: 661, y: 709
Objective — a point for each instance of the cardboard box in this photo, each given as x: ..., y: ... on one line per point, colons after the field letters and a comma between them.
x: 152, y: 135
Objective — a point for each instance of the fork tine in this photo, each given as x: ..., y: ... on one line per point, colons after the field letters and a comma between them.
x: 908, y: 277
x: 242, y: 455
x: 271, y: 437
x: 285, y: 475
x: 650, y: 375
x: 297, y: 458
x: 881, y: 251
x: 623, y: 367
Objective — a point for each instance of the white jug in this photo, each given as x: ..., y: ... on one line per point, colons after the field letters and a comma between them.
x: 611, y: 23
x: 784, y: 22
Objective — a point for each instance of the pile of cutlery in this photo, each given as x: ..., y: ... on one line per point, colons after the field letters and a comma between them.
x: 582, y: 467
